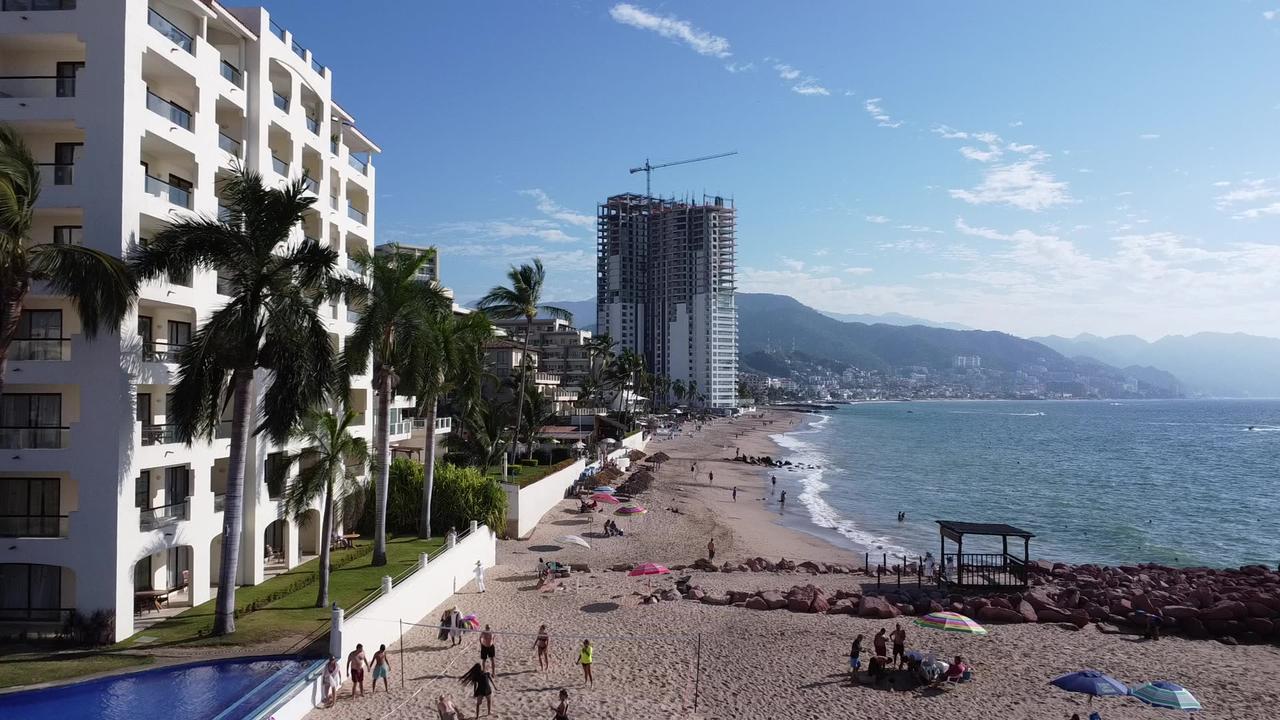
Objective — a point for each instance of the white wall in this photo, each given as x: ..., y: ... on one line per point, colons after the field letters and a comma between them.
x: 411, y: 600
x: 527, y: 505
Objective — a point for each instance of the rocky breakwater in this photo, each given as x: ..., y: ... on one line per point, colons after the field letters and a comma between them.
x: 1231, y: 606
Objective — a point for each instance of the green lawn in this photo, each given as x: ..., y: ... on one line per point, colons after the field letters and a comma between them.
x: 288, y: 619
x: 528, y: 475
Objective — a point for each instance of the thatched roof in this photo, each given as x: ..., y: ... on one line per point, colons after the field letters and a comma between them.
x: 658, y: 457
x: 608, y: 473
x: 635, y: 455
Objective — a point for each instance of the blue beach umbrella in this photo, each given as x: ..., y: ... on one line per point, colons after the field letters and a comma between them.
x: 603, y: 489
x: 1090, y: 682
x: 1164, y: 694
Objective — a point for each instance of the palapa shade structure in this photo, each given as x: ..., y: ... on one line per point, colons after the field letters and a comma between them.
x: 658, y: 458
x: 635, y: 455
x: 607, y: 475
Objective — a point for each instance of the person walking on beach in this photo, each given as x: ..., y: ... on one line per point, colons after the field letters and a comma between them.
x: 479, y: 573
x: 735, y: 493
x: 855, y: 658
x: 356, y: 665
x: 482, y: 687
x: 899, y: 637
x: 584, y: 659
x: 455, y: 627
x: 543, y: 645
x: 488, y: 651
x: 711, y: 478
x: 331, y: 682
x: 711, y: 549
x: 782, y: 501
x: 880, y: 645
x: 381, y: 669
x: 446, y: 709
x: 561, y: 708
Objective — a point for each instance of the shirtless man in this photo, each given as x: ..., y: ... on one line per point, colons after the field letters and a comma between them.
x: 899, y: 638
x: 357, y: 664
x: 880, y: 644
x: 488, y: 651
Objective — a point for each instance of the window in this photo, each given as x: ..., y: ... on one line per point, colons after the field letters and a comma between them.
x: 29, y: 507
x: 179, y: 334
x: 67, y: 72
x: 276, y: 470
x: 177, y: 484
x: 35, y: 410
x: 64, y: 161
x: 142, y: 490
x: 30, y: 592
x: 142, y: 574
x: 39, y: 336
x: 68, y: 234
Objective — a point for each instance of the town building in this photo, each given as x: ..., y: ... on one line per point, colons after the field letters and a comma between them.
x: 136, y: 109
x: 665, y: 282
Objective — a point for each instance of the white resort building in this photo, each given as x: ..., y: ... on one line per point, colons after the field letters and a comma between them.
x: 135, y: 110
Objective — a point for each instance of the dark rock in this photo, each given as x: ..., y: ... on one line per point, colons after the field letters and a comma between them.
x: 843, y: 606
x: 1227, y: 640
x: 993, y: 614
x: 1067, y: 626
x: 1027, y: 612
x: 1225, y: 610
x: 773, y: 599
x: 876, y: 607
x: 798, y: 605
x: 1052, y: 615
x: 1261, y: 626
x: 1180, y: 612
x: 716, y: 600
x: 819, y: 604
x: 757, y: 603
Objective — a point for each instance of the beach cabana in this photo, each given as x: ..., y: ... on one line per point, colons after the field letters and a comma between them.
x: 982, y: 570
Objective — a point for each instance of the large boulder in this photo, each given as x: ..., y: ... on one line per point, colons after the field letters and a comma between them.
x: 994, y: 614
x: 1261, y: 626
x: 798, y: 604
x: 1256, y: 609
x: 876, y: 607
x: 1225, y: 610
x: 1039, y: 599
x: 757, y: 603
x: 1180, y: 612
x: 1052, y: 614
x: 773, y: 599
x: 819, y: 604
x: 716, y: 599
x: 1027, y: 612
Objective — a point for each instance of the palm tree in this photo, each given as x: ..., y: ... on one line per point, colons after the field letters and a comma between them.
x: 397, y: 308
x: 678, y: 389
x: 100, y: 286
x: 329, y: 473
x: 449, y: 353
x: 269, y: 323
x: 691, y: 390
x: 523, y: 299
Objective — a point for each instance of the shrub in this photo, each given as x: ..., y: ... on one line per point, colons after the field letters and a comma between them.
x: 529, y: 462
x: 461, y: 495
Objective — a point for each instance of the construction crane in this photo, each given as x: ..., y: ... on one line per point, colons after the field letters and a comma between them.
x: 647, y: 168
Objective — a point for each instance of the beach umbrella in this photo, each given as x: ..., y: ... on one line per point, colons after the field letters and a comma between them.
x: 649, y: 569
x: 605, y: 489
x: 573, y: 540
x: 659, y: 458
x: 605, y: 498
x: 471, y: 620
x: 1164, y: 694
x: 950, y: 622
x: 1090, y: 682
x: 630, y: 510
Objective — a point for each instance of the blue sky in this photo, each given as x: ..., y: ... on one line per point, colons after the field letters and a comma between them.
x: 1028, y: 167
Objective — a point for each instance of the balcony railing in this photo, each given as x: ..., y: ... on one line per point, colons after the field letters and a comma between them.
x: 403, y: 427
x: 281, y: 167
x: 154, y: 517
x: 63, y: 173
x: 333, y: 146
x: 315, y: 65
x: 36, y: 5
x: 359, y: 164
x: 357, y: 215
x: 165, y: 109
x: 33, y: 438
x: 219, y: 502
x: 33, y: 525
x: 444, y: 424
x: 230, y: 144
x: 233, y: 74
x: 313, y: 125
x: 40, y: 349
x: 277, y: 30
x: 280, y: 101
x: 37, y: 86
x: 311, y: 184
x: 298, y: 49
x: 171, y: 31
x: 159, y: 435
x: 159, y: 351
x: 159, y: 188
x: 333, y: 202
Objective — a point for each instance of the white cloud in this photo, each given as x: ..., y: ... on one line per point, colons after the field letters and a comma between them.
x: 548, y: 207
x: 1016, y: 123
x: 672, y: 28
x: 800, y: 83
x: 1270, y: 14
x: 950, y: 133
x: 973, y: 153
x: 878, y: 219
x: 792, y: 263
x: 1222, y: 183
x: 1250, y: 191
x: 740, y: 67
x: 1024, y: 149
x: 877, y: 113
x: 858, y: 270
x: 1149, y: 136
x: 918, y: 229
x: 1023, y: 184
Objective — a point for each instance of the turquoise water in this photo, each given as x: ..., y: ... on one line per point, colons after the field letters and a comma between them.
x: 1178, y: 482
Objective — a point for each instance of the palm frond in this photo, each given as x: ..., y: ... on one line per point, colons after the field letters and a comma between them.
x: 99, y: 285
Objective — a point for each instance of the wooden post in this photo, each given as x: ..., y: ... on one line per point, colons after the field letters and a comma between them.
x: 402, y: 650
x: 960, y: 560
x: 1026, y: 559
x: 1004, y: 557
x: 942, y: 554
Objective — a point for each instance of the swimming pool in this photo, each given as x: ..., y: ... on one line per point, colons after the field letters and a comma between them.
x: 223, y: 689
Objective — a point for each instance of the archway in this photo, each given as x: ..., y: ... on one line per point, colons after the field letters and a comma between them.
x: 274, y: 550
x: 215, y: 559
x: 309, y: 530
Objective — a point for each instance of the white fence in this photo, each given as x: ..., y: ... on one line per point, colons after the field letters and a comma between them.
x: 526, y: 505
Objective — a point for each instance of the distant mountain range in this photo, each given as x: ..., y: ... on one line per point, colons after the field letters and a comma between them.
x: 892, y: 319
x: 1216, y: 364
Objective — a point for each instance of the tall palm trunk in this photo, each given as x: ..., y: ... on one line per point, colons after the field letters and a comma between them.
x: 326, y: 532
x: 224, y: 620
x: 428, y: 469
x: 382, y: 453
x: 524, y: 377
x: 12, y: 299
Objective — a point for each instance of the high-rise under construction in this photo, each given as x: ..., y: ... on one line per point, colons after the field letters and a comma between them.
x: 665, y: 289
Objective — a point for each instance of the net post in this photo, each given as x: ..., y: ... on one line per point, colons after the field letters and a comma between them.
x: 697, y: 672
x: 401, y: 621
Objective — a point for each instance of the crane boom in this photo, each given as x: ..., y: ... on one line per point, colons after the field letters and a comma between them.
x: 647, y: 168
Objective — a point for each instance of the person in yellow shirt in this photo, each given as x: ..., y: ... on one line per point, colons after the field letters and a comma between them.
x: 584, y: 659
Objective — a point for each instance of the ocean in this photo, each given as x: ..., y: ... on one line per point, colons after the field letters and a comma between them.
x: 1181, y: 482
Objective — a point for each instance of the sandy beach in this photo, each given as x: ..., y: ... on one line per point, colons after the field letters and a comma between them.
x: 758, y: 664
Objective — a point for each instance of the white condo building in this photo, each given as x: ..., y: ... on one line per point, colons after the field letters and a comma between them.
x: 665, y: 283
x: 135, y: 110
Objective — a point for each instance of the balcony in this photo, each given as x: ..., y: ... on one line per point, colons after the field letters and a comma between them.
x: 175, y: 195
x: 361, y: 166
x: 444, y: 424
x: 357, y: 215
x: 37, y: 86
x: 233, y: 74
x: 219, y: 502
x: 298, y: 49
x: 36, y: 5
x: 403, y: 427
x: 152, y: 518
x: 280, y: 101
x: 230, y: 144
x: 355, y: 266
x: 171, y: 31
x: 313, y: 125
x: 177, y: 115
x: 35, y: 526
x: 333, y: 202
x: 277, y: 30
x: 159, y: 435
x: 315, y: 65
x: 33, y: 438
x: 63, y: 173
x: 40, y: 349
x: 312, y: 186
x: 333, y: 146
x: 281, y: 167
x: 162, y: 352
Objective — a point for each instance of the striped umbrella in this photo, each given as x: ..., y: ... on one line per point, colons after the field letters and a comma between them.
x: 649, y: 569
x: 603, y: 489
x: 605, y: 498
x: 630, y: 510
x: 951, y: 622
x: 1164, y: 694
